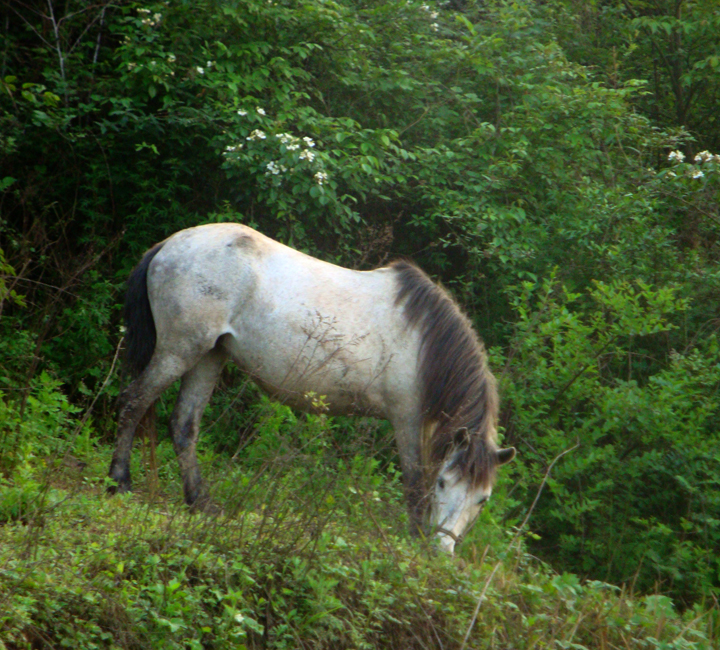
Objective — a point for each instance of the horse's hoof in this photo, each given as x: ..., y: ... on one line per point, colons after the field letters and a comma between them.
x: 120, y: 488
x: 203, y: 503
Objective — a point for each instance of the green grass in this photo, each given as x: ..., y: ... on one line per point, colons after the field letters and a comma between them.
x: 302, y: 549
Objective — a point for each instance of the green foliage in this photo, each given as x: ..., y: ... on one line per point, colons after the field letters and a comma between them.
x: 637, y: 500
x: 673, y: 46
x: 7, y: 271
x: 309, y: 552
x: 34, y: 436
x: 38, y: 431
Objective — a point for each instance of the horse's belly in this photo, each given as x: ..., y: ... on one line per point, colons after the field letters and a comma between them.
x: 340, y: 370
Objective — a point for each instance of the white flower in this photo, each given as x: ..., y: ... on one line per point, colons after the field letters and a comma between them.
x: 320, y: 177
x: 171, y: 58
x: 257, y: 134
x: 434, y: 14
x: 242, y: 112
x: 716, y: 158
x: 697, y: 174
x: 307, y: 155
x: 678, y: 156
x: 703, y: 156
x: 200, y: 70
x: 274, y: 169
x: 152, y: 22
x: 308, y: 142
x: 261, y: 111
x: 435, y: 27
x: 290, y: 141
x: 671, y: 174
x: 231, y: 148
x: 210, y: 64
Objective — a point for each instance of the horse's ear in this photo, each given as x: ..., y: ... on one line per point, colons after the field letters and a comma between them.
x: 461, y: 438
x: 505, y: 455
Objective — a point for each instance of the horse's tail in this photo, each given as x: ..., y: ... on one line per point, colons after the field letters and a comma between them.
x: 140, y: 334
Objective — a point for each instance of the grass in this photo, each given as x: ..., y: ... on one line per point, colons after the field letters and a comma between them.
x: 305, y: 548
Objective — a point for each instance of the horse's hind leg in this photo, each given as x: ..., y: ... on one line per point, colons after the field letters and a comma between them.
x: 195, y: 391
x: 135, y: 400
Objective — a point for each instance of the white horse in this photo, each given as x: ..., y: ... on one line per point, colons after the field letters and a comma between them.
x: 388, y: 343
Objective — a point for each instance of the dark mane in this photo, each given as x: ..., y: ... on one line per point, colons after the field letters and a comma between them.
x: 458, y: 389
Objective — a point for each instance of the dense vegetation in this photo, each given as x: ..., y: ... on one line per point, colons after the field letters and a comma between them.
x: 555, y: 164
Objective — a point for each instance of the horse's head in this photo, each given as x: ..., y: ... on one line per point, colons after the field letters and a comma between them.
x: 462, y: 487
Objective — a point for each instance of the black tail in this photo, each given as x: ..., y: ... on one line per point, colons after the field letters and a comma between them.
x: 140, y: 334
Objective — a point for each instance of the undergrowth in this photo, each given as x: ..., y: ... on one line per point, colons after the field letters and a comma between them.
x: 304, y: 546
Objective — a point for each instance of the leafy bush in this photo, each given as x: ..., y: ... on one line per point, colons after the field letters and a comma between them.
x: 636, y: 500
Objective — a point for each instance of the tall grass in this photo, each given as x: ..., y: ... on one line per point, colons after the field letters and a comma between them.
x: 304, y: 545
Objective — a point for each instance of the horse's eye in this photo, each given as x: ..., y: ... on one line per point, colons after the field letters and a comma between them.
x: 441, y: 483
x: 482, y: 501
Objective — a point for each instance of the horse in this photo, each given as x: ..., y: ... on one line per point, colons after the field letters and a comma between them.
x: 389, y: 343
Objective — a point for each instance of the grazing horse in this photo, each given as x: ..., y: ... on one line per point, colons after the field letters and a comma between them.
x: 389, y: 343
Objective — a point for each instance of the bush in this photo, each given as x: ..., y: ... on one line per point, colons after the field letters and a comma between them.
x: 636, y: 501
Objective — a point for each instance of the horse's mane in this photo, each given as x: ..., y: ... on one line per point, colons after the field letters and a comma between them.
x: 457, y: 388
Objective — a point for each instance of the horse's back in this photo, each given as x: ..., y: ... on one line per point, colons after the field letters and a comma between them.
x: 295, y: 323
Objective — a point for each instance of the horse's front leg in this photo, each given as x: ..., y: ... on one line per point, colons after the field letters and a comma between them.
x: 416, y: 501
x: 407, y: 437
x: 195, y: 390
